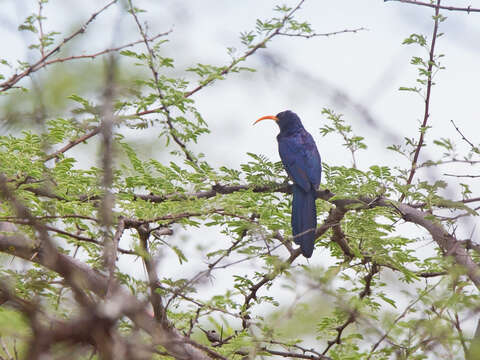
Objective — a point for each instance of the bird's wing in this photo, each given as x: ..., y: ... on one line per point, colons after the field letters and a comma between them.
x: 300, y: 158
x: 313, y: 160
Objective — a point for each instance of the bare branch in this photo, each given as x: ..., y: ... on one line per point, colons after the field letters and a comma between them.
x: 316, y: 355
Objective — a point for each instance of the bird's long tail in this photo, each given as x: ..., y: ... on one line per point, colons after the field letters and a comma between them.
x: 304, y: 219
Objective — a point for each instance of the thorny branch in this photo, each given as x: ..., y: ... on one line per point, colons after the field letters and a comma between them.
x: 332, y: 220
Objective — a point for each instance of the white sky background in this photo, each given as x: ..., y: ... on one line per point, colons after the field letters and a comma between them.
x: 297, y: 74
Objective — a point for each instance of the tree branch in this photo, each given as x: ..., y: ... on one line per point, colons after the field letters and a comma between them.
x: 150, y: 264
x: 40, y: 63
x: 447, y: 242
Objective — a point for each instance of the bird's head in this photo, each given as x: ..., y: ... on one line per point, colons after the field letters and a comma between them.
x: 287, y: 121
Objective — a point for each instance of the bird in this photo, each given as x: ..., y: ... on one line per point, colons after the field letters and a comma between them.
x: 213, y: 337
x: 302, y: 162
x: 216, y: 339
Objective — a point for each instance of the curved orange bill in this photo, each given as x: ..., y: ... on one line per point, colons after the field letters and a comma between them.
x: 271, y: 117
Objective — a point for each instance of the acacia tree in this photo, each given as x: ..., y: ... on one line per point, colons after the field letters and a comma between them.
x: 65, y: 229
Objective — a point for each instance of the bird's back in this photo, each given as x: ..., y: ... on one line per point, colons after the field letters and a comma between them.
x: 300, y: 158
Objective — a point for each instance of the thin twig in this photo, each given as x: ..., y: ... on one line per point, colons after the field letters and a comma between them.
x: 206, y: 272
x: 40, y: 28
x: 72, y: 143
x: 463, y: 176
x: 295, y: 355
x: 72, y: 216
x: 467, y: 9
x: 430, y: 163
x: 309, y: 36
x: 103, y: 52
x: 474, y: 148
x: 461, y: 335
x: 423, y: 129
x: 110, y: 252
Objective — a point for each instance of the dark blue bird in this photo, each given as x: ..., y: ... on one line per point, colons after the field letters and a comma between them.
x: 302, y: 162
